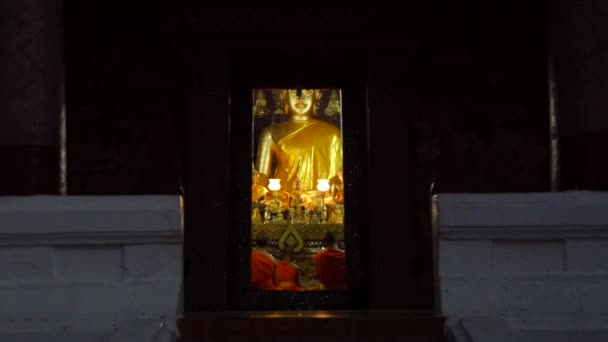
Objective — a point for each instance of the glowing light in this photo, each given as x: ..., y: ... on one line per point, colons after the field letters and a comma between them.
x: 322, y: 184
x: 275, y: 184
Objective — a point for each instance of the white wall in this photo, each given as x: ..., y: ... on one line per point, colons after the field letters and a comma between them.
x: 537, y: 261
x: 87, y: 265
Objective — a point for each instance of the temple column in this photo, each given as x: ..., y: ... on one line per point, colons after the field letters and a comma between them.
x: 31, y: 97
x: 579, y: 32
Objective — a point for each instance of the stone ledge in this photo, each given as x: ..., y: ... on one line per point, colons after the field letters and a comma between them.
x: 99, y: 262
x: 91, y: 238
x: 557, y: 276
x: 524, y: 267
x: 564, y: 328
x: 570, y: 208
x: 488, y: 329
x: 91, y: 328
x: 563, y: 322
x: 103, y: 268
x: 65, y: 301
x: 523, y: 232
x: 87, y: 214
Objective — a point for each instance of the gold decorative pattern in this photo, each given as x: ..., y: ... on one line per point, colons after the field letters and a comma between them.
x: 308, y: 232
x: 291, y: 237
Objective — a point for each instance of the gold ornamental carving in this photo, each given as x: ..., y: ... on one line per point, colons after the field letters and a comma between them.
x: 292, y: 238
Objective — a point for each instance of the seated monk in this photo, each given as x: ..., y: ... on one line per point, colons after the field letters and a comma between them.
x: 330, y: 265
x: 287, y: 274
x: 263, y: 266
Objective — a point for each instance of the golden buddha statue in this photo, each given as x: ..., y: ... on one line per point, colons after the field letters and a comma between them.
x: 258, y: 191
x: 301, y: 148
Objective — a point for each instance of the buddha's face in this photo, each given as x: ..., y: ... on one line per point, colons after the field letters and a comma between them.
x: 301, y: 105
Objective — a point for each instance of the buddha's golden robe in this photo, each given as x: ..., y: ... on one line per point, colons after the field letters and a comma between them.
x: 313, y: 151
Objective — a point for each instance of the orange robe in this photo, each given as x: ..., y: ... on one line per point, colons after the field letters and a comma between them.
x: 330, y: 265
x: 262, y: 272
x: 287, y: 276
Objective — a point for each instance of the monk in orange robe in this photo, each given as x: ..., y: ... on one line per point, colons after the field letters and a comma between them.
x: 330, y: 265
x: 287, y: 274
x: 263, y: 266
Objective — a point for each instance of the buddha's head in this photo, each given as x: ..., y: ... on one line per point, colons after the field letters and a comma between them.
x: 306, y: 104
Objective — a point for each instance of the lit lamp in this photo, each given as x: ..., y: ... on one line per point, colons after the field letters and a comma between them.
x: 275, y: 185
x: 323, y: 186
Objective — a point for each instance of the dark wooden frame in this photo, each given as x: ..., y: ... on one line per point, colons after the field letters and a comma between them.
x: 393, y: 245
x: 317, y: 71
x: 218, y: 227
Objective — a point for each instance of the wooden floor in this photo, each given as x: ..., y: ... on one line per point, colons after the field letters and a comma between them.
x: 312, y: 326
